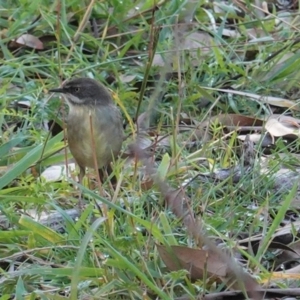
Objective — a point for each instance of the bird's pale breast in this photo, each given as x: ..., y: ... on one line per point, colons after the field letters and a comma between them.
x: 94, y: 130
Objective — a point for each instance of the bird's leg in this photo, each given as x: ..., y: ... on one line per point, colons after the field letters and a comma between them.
x: 101, y: 174
x: 80, y: 179
x: 107, y: 171
x: 81, y: 174
x: 113, y: 179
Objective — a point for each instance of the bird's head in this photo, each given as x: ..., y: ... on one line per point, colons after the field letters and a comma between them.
x: 84, y: 91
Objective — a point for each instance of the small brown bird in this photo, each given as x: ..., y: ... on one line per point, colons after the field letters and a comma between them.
x: 94, y: 124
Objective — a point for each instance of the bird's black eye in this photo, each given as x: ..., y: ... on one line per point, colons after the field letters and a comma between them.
x: 77, y: 89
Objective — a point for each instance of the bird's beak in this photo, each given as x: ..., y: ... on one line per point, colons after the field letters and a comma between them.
x: 58, y: 90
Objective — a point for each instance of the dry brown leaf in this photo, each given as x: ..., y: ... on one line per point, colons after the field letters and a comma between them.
x: 127, y: 78
x: 295, y: 270
x: 283, y: 127
x: 264, y: 140
x: 213, y: 261
x: 147, y: 184
x: 291, y: 254
x: 57, y: 172
x: 200, y: 263
x: 143, y: 121
x: 185, y: 38
x: 197, y: 261
x: 30, y: 41
x: 283, y: 231
x: 231, y: 121
x: 285, y: 119
x: 24, y: 104
x: 276, y: 101
x: 236, y: 120
x: 48, y: 38
x: 271, y: 294
x: 196, y: 40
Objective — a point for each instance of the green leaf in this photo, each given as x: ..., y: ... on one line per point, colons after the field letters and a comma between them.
x: 81, y: 252
x: 28, y: 160
x: 20, y: 289
x: 164, y: 166
x: 277, y: 221
x: 41, y: 230
x: 4, y: 149
x: 11, y: 234
x: 169, y: 236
